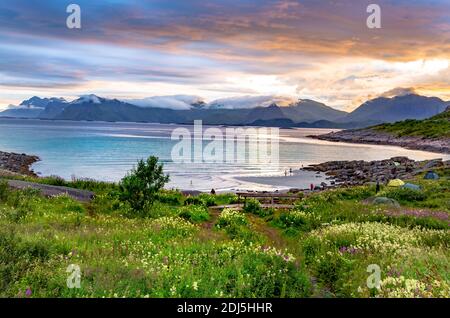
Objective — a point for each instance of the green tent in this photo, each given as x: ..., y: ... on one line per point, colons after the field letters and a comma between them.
x: 386, y: 201
x: 431, y: 175
x: 411, y: 186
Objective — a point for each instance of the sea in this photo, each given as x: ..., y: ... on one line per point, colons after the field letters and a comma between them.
x: 107, y: 151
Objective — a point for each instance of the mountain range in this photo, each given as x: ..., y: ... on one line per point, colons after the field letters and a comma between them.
x: 182, y: 109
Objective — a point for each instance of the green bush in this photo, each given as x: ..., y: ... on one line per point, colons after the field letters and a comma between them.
x: 193, y: 201
x: 231, y: 217
x: 55, y: 180
x: 4, y: 190
x: 266, y: 212
x: 170, y: 197
x: 207, y: 199
x: 328, y: 269
x: 297, y: 220
x: 194, y: 213
x: 227, y: 198
x: 252, y: 206
x: 140, y: 187
x: 237, y: 226
x: 202, y: 199
x: 406, y: 195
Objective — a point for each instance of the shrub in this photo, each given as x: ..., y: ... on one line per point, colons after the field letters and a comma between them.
x: 406, y: 195
x: 193, y: 201
x: 237, y: 226
x: 4, y: 190
x: 194, y: 213
x: 92, y: 185
x: 170, y: 197
x: 207, y: 199
x: 140, y: 187
x: 328, y: 269
x: 252, y: 206
x: 228, y: 198
x: 298, y: 220
x: 202, y: 199
x: 266, y: 212
x: 231, y: 217
x: 54, y: 180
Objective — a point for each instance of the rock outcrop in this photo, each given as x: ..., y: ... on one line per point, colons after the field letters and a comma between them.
x: 370, y: 136
x: 17, y: 163
x: 361, y: 172
x: 431, y: 134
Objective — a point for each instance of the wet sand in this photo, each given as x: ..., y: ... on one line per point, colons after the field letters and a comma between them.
x: 299, y: 179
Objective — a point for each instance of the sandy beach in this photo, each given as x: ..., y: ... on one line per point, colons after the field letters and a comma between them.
x: 299, y: 179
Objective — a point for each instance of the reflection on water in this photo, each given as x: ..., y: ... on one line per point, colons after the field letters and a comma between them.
x: 106, y: 151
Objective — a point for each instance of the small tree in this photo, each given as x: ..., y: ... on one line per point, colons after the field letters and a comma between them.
x: 140, y: 186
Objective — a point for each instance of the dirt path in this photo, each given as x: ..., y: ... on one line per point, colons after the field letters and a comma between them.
x: 49, y: 190
x: 272, y: 234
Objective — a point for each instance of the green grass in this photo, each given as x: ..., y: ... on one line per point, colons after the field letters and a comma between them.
x: 434, y: 127
x: 322, y: 247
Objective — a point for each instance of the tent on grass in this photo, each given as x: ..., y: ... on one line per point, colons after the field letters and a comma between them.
x: 396, y: 183
x: 386, y: 201
x: 431, y: 175
x: 411, y: 186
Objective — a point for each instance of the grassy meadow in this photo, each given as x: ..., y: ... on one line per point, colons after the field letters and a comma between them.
x: 180, y: 247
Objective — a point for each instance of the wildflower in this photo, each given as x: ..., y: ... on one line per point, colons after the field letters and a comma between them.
x: 28, y: 293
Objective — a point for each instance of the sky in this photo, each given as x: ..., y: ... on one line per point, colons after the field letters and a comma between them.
x: 289, y: 49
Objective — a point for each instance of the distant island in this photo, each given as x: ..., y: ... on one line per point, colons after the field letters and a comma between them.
x: 251, y: 111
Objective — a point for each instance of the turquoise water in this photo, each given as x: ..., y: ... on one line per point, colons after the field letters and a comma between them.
x: 106, y: 151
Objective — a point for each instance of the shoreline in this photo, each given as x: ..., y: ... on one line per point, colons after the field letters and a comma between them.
x: 16, y: 163
x: 330, y: 174
x: 372, y: 137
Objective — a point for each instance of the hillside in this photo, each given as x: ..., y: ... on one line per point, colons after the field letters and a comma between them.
x: 432, y: 134
x: 183, y: 247
x: 435, y: 127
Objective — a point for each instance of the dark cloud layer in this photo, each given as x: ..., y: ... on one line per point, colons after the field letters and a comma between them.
x: 211, y: 42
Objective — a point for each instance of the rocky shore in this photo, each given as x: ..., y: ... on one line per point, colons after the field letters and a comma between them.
x: 362, y: 172
x: 17, y: 163
x: 370, y: 136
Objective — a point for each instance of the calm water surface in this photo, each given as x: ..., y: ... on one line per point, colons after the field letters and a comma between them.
x: 106, y: 151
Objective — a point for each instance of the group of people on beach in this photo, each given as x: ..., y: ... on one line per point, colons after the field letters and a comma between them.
x: 290, y: 171
x: 286, y: 172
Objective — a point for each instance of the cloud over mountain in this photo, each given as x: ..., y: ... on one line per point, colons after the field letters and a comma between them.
x: 177, y: 102
x: 399, y: 91
x: 244, y: 102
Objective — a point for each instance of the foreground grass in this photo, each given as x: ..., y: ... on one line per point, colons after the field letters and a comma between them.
x: 320, y: 248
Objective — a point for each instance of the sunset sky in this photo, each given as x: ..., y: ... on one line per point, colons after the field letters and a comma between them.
x: 320, y: 50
